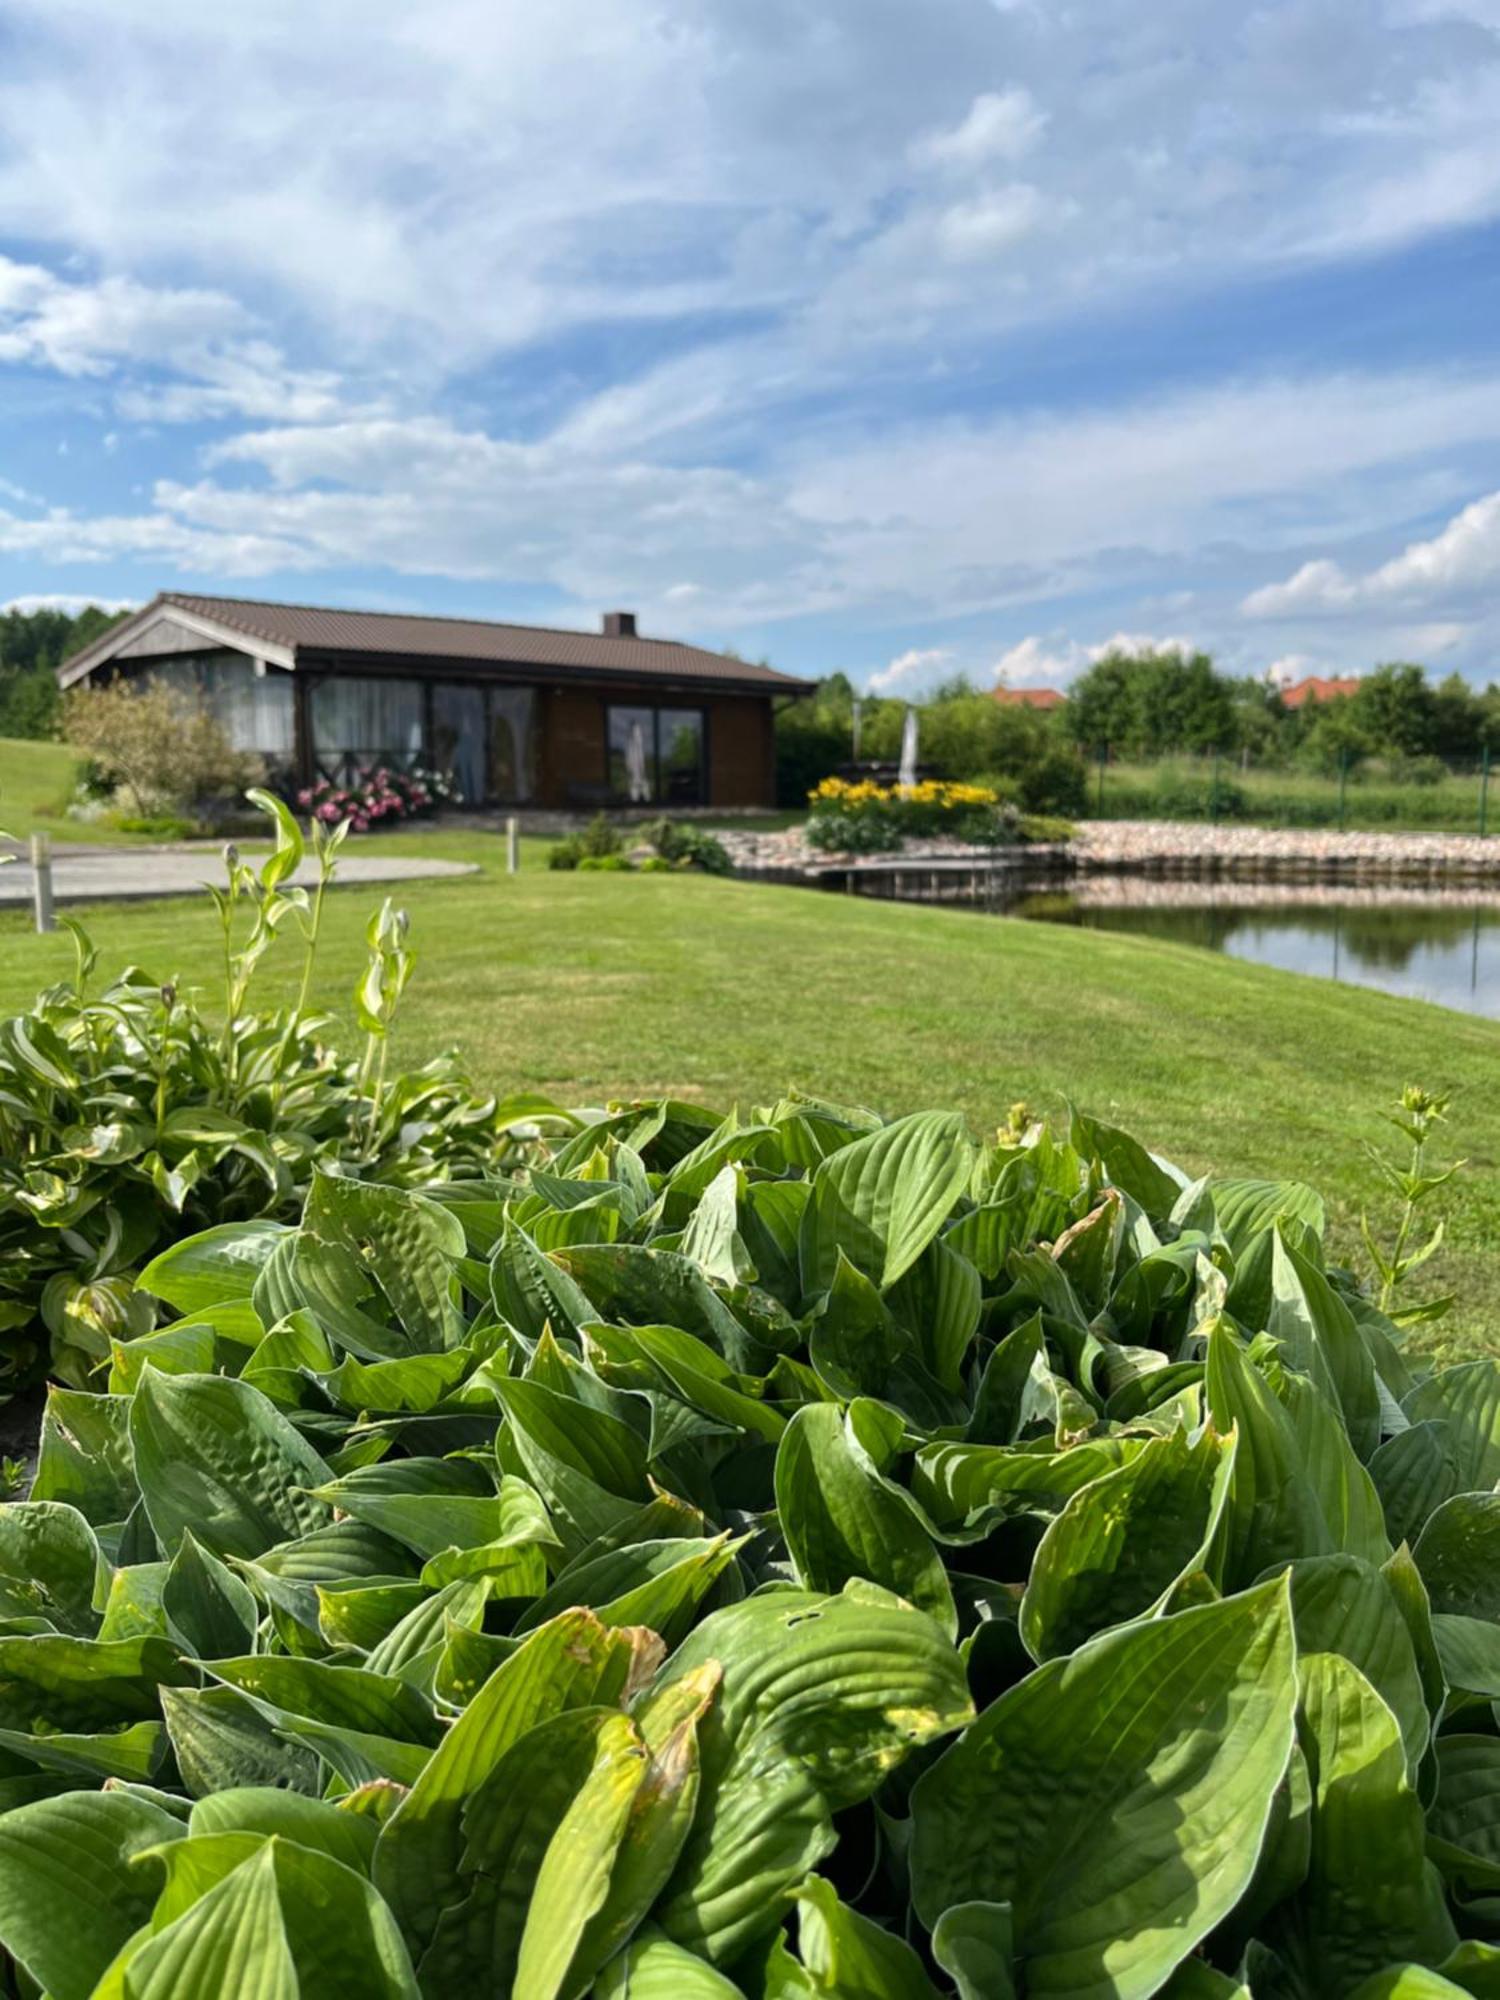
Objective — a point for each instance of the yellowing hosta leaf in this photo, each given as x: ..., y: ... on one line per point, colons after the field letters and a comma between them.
x: 1124, y: 1539
x: 821, y: 1698
x: 1117, y: 1799
x: 573, y: 1662
x: 540, y: 1839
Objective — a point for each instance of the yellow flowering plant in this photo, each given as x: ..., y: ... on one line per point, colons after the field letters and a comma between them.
x: 863, y: 817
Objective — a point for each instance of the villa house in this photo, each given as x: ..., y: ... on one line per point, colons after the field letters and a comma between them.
x: 516, y: 714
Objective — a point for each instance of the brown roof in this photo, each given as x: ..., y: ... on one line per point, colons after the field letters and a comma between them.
x: 1316, y: 689
x: 325, y: 629
x: 1030, y: 697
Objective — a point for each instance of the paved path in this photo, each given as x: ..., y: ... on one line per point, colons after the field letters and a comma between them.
x: 124, y: 874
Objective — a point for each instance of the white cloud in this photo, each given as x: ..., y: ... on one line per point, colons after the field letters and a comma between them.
x: 117, y: 329
x: 63, y: 600
x: 1464, y: 557
x: 910, y: 671
x: 1037, y: 662
x: 1318, y: 585
x: 1054, y: 662
x: 999, y: 125
x: 991, y: 222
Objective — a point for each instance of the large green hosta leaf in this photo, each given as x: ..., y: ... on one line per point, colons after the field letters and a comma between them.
x: 1124, y: 1539
x: 49, y: 1566
x: 842, y: 1518
x: 216, y: 1459
x: 844, y: 1954
x: 287, y: 1922
x: 821, y: 1697
x: 1317, y: 1331
x: 1343, y: 1605
x: 1297, y: 1489
x: 1117, y: 1799
x: 1463, y: 1823
x: 1371, y: 1897
x: 1466, y: 1400
x: 653, y: 1968
x: 69, y: 1898
x: 1458, y: 1553
x: 884, y: 1198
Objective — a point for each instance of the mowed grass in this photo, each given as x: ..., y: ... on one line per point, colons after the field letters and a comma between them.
x: 599, y: 986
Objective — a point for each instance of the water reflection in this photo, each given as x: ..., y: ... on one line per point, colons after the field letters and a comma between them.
x: 1440, y: 945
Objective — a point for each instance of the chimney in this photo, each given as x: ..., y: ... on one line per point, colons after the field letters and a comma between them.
x: 619, y: 624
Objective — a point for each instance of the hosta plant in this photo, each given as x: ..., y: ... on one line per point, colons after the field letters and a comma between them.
x: 792, y: 1554
x: 139, y: 1113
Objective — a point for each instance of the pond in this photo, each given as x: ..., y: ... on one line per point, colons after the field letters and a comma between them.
x: 1425, y: 944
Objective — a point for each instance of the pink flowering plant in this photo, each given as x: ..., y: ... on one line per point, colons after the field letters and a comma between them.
x: 379, y: 797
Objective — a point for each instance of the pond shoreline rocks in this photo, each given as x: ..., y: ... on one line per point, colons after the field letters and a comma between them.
x: 1168, y: 847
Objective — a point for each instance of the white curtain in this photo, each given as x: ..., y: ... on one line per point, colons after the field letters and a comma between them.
x: 367, y: 721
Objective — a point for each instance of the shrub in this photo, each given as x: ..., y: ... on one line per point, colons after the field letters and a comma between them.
x: 789, y: 1542
x: 1196, y: 795
x: 598, y: 840
x: 685, y: 845
x: 162, y: 751
x: 379, y: 797
x: 134, y: 1117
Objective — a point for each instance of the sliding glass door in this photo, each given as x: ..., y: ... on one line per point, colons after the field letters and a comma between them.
x: 655, y: 755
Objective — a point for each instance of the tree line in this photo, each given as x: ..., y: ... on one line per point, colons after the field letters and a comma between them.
x: 1148, y: 707
x: 33, y: 645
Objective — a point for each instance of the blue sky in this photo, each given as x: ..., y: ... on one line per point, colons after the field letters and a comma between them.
x: 898, y: 336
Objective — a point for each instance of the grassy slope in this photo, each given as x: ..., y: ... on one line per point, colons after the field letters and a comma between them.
x: 595, y: 985
x: 35, y: 780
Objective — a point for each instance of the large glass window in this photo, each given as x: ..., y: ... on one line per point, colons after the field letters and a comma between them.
x: 511, y: 743
x: 458, y: 738
x: 656, y: 755
x: 359, y: 723
x: 679, y: 733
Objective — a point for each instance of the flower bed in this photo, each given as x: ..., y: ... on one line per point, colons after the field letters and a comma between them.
x: 866, y: 818
x: 380, y: 797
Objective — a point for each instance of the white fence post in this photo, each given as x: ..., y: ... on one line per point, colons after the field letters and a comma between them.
x: 512, y: 845
x: 41, y: 881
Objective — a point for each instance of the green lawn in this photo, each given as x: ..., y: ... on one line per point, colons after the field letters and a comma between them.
x: 599, y: 985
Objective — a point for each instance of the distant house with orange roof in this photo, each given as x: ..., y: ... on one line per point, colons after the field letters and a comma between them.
x: 1316, y: 689
x: 1030, y: 697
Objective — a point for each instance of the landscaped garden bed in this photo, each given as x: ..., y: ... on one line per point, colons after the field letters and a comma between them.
x: 783, y: 1553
